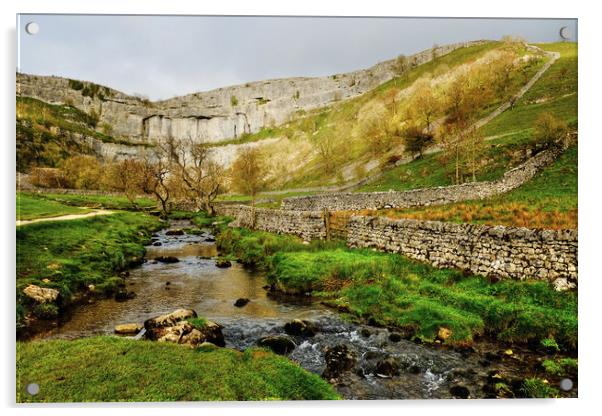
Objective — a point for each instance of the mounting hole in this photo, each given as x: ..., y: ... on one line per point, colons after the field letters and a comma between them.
x: 33, y: 388
x: 566, y: 384
x: 32, y: 28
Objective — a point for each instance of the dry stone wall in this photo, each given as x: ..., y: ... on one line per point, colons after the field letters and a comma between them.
x: 305, y: 224
x: 506, y: 252
x: 349, y: 201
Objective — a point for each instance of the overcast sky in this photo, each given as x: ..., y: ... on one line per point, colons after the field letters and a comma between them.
x: 165, y: 56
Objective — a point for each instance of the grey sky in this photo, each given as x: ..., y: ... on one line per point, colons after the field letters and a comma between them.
x: 164, y: 56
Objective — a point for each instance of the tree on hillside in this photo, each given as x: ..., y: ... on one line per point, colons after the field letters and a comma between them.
x: 472, y: 144
x: 126, y: 176
x: 248, y: 172
x: 502, y: 69
x: 328, y: 148
x: 401, y: 65
x: 424, y: 103
x: 549, y: 130
x: 374, y: 127
x: 415, y: 140
x: 154, y: 177
x: 82, y: 172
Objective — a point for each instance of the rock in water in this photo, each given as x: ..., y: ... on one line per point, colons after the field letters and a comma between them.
x: 300, y: 327
x: 338, y: 360
x: 157, y: 244
x: 280, y: 344
x: 174, y: 232
x: 460, y: 392
x: 167, y: 259
x: 41, y: 294
x: 169, y: 319
x: 186, y: 334
x: 394, y: 337
x: 388, y: 367
x: 122, y: 295
x: 241, y: 302
x: 128, y: 329
x: 223, y: 263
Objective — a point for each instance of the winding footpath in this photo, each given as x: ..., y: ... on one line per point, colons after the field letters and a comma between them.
x: 65, y: 217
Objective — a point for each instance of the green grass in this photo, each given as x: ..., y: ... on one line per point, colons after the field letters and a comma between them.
x: 98, y: 201
x: 390, y: 289
x: 29, y: 207
x: 109, y: 369
x: 76, y: 253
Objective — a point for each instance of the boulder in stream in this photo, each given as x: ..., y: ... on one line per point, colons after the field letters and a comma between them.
x: 387, y: 367
x: 174, y: 327
x: 300, y: 327
x: 167, y: 259
x: 41, y: 294
x: 174, y: 232
x: 223, y: 263
x: 241, y: 302
x: 339, y: 359
x: 280, y: 344
x: 128, y: 329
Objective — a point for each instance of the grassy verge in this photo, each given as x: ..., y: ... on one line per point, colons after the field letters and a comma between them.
x: 71, y: 255
x: 30, y: 207
x: 388, y: 289
x: 99, y: 201
x: 549, y: 200
x: 113, y: 369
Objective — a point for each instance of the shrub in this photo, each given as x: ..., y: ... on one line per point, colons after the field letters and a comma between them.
x: 46, y: 311
x: 233, y: 100
x: 549, y: 130
x: 538, y: 389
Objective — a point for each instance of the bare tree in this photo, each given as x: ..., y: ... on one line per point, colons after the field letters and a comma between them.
x: 248, y: 173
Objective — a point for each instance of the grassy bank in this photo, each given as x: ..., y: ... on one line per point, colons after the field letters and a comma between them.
x: 549, y: 201
x: 114, y: 369
x: 98, y: 201
x: 71, y: 255
x: 30, y: 206
x: 388, y: 289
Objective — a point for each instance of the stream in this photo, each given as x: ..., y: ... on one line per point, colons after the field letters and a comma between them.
x: 195, y: 282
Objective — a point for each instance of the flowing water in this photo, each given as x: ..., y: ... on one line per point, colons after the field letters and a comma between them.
x: 195, y: 282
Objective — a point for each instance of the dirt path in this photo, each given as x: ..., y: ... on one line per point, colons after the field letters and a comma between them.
x: 65, y: 217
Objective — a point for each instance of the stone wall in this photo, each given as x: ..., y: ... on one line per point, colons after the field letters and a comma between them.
x: 348, y: 201
x: 305, y: 224
x: 506, y: 252
x: 503, y: 252
x: 219, y: 114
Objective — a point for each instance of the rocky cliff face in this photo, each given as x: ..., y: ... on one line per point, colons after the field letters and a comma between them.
x: 216, y: 115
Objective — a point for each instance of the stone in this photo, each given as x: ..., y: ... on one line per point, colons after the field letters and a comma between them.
x: 186, y: 334
x: 387, y: 367
x: 280, y: 344
x: 174, y: 232
x: 41, y: 294
x: 562, y: 284
x: 121, y: 295
x: 365, y: 332
x: 300, y: 327
x: 395, y: 337
x: 210, y: 239
x: 128, y: 329
x: 169, y: 319
x: 223, y: 263
x: 167, y: 259
x: 339, y: 359
x: 240, y: 302
x: 459, y: 391
x: 444, y: 333
x: 157, y: 244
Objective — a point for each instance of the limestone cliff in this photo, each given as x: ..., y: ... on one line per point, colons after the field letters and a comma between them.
x: 215, y: 115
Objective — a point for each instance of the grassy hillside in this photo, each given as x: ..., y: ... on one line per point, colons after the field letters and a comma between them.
x: 110, y: 369
x: 508, y: 135
x: 31, y: 207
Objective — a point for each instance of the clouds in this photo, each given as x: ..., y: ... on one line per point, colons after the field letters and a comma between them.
x: 164, y: 56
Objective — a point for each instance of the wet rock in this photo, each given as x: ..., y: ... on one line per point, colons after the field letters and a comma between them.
x: 414, y: 369
x: 300, y: 327
x: 223, y: 263
x: 128, y: 329
x: 167, y: 259
x: 365, y: 332
x: 121, y: 295
x: 240, y: 302
x: 280, y: 344
x: 394, y: 337
x: 167, y: 283
x: 388, y: 367
x: 124, y: 274
x: 174, y: 232
x: 339, y: 359
x: 186, y: 334
x: 41, y: 294
x: 169, y: 319
x: 459, y: 391
x: 157, y: 244
x: 210, y: 239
